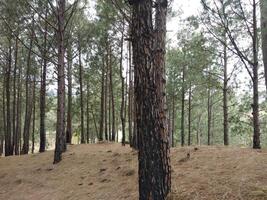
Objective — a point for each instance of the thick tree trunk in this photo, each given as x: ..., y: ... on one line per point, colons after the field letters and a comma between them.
x: 263, y: 6
x: 69, y: 109
x: 81, y: 93
x: 43, y: 92
x: 60, y: 127
x: 149, y: 52
x: 29, y: 106
x: 255, y: 106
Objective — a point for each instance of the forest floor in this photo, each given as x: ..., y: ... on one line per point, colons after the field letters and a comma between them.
x: 109, y: 172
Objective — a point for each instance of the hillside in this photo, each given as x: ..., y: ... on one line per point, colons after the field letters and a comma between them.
x: 109, y: 171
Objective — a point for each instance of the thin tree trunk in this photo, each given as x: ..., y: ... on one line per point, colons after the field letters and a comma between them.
x: 173, y: 119
x: 209, y: 116
x: 225, y: 98
x: 122, y: 90
x: 18, y: 127
x: 81, y: 93
x: 113, y: 131
x: 8, y: 134
x: 33, y: 113
x: 43, y: 91
x: 4, y: 111
x: 101, y: 122
x: 130, y: 97
x: 87, y: 113
x: 189, y: 113
x: 15, y: 134
x: 60, y: 128
x: 183, y: 109
x: 69, y: 109
x: 106, y: 104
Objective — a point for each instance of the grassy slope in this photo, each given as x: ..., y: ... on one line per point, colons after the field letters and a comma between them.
x: 109, y: 172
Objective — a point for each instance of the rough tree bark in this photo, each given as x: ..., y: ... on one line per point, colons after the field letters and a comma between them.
x: 149, y: 62
x: 263, y: 6
x: 255, y: 105
x: 60, y: 127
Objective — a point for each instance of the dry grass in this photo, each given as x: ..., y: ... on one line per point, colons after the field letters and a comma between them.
x: 109, y: 172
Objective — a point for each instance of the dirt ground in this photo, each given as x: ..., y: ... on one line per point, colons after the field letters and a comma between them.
x: 109, y: 172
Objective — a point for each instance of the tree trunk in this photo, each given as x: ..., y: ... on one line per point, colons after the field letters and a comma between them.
x: 263, y: 6
x: 189, y: 113
x: 69, y: 109
x: 149, y: 62
x: 101, y: 122
x: 130, y: 97
x: 43, y: 91
x: 81, y: 93
x: 88, y: 114
x: 209, y: 116
x: 225, y: 97
x: 122, y: 90
x: 255, y: 106
x: 113, y: 131
x: 29, y: 106
x: 15, y: 134
x: 18, y: 127
x: 173, y: 119
x: 183, y: 108
x: 8, y: 133
x: 60, y: 127
x: 106, y: 103
x: 33, y: 113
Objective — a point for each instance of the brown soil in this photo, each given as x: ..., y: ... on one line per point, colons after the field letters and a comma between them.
x: 109, y: 172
